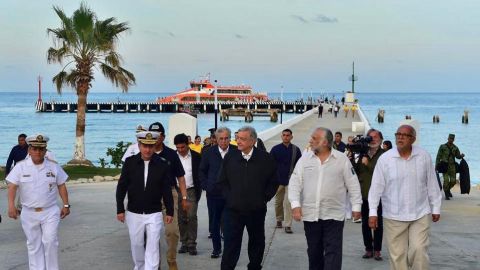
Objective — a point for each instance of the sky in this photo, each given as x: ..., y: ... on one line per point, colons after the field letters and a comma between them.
x: 408, y: 46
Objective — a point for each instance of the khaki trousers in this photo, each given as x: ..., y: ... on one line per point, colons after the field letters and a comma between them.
x: 407, y: 243
x: 188, y: 221
x: 172, y: 233
x: 283, y: 209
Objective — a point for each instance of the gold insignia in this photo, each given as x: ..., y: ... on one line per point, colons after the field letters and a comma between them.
x: 39, y: 138
x: 148, y: 136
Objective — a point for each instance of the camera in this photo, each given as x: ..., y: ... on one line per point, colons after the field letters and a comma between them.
x: 359, y: 144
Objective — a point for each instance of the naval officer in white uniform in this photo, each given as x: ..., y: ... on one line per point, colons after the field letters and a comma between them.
x: 38, y: 181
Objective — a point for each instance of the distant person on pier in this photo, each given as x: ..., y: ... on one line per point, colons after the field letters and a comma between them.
x: 197, y: 145
x: 404, y: 180
x: 346, y: 109
x: 178, y: 189
x: 211, y: 142
x: 234, y: 141
x: 338, y: 144
x: 320, y: 110
x: 248, y: 179
x: 364, y: 168
x: 336, y: 108
x: 387, y: 145
x: 445, y: 163
x: 133, y: 149
x: 145, y: 179
x: 286, y: 154
x: 323, y: 209
x: 18, y: 153
x: 354, y: 109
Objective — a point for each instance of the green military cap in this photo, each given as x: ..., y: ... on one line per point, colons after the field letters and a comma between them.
x: 451, y: 136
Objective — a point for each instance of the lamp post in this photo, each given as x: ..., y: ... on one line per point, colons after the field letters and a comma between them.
x: 281, y: 108
x: 216, y: 104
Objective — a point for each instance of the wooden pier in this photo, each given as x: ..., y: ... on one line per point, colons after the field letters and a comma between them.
x: 154, y: 107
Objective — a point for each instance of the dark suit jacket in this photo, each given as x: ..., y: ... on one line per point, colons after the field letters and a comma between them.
x: 196, y: 159
x: 145, y: 199
x: 248, y: 185
x: 209, y: 170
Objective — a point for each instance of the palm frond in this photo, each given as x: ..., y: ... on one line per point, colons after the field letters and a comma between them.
x: 60, y: 80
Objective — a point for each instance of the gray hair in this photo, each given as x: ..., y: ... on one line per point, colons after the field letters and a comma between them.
x: 222, y: 130
x: 328, y: 135
x: 412, y: 130
x: 253, y: 132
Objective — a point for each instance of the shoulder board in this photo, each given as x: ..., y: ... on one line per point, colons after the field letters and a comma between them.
x: 51, y: 160
x: 21, y: 161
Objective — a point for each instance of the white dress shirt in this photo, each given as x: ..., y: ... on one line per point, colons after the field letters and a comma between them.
x: 321, y: 189
x: 223, y: 153
x: 247, y: 156
x: 145, y: 172
x: 187, y: 167
x: 37, y: 183
x: 408, y: 188
x: 131, y: 151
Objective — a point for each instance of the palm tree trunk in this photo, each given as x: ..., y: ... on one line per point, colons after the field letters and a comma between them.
x: 79, y: 150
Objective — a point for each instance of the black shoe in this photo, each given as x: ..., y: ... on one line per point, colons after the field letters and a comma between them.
x: 368, y: 255
x: 450, y: 194
x: 183, y: 249
x: 216, y: 254
x: 192, y: 251
x: 447, y: 198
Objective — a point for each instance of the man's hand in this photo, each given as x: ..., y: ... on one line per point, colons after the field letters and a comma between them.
x: 186, y: 205
x: 356, y: 215
x: 168, y: 219
x: 373, y: 222
x: 435, y: 217
x: 365, y: 161
x: 121, y: 217
x: 297, y: 213
x: 13, y: 212
x: 64, y: 212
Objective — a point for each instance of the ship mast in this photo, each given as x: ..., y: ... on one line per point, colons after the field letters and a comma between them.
x: 353, y: 78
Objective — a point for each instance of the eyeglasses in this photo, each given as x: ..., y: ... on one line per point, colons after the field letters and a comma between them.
x: 398, y: 135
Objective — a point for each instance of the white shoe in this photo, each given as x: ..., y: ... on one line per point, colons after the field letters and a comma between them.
x: 357, y: 220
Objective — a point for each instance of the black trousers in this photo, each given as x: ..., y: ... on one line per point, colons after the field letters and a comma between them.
x: 324, y: 242
x: 233, y: 224
x: 372, y: 242
x: 215, y: 209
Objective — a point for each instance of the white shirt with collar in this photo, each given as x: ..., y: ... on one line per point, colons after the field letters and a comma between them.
x: 408, y: 188
x: 321, y: 189
x: 223, y: 153
x: 187, y: 167
x: 248, y: 156
x: 37, y: 184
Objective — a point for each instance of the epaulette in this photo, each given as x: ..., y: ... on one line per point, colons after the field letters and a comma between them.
x: 165, y: 160
x: 51, y: 160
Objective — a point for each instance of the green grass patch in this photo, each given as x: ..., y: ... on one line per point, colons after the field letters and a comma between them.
x: 2, y: 174
x: 75, y: 172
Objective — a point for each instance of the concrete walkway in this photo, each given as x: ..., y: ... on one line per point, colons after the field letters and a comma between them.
x: 91, y: 238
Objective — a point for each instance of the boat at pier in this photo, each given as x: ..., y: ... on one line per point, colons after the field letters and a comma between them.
x: 204, y: 90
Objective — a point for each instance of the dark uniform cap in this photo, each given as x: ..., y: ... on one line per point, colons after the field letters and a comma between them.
x: 212, y: 131
x: 147, y: 137
x: 158, y: 127
x: 451, y: 136
x: 37, y: 140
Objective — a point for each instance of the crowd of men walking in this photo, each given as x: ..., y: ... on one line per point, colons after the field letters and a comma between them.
x: 394, y: 192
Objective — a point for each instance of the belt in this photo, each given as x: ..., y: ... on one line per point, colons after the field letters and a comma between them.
x: 38, y: 209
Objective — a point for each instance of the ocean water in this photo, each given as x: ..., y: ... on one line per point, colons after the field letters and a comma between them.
x: 103, y: 130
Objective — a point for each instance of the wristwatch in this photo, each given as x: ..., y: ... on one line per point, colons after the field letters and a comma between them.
x: 184, y: 197
x: 67, y: 206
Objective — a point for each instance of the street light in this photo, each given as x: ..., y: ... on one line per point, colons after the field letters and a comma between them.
x: 216, y: 104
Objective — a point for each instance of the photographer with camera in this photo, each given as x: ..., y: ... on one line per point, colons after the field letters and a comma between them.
x: 369, y: 150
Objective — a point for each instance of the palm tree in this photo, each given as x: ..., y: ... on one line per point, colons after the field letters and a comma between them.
x: 84, y: 42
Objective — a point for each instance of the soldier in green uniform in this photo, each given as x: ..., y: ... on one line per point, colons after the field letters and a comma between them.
x: 447, y: 153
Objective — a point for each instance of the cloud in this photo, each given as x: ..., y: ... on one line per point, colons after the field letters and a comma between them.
x: 239, y: 36
x: 324, y: 19
x: 299, y: 18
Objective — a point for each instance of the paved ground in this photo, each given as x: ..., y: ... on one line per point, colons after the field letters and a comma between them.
x: 91, y: 238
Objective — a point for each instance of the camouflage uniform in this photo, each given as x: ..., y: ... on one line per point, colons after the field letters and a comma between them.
x: 448, y: 154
